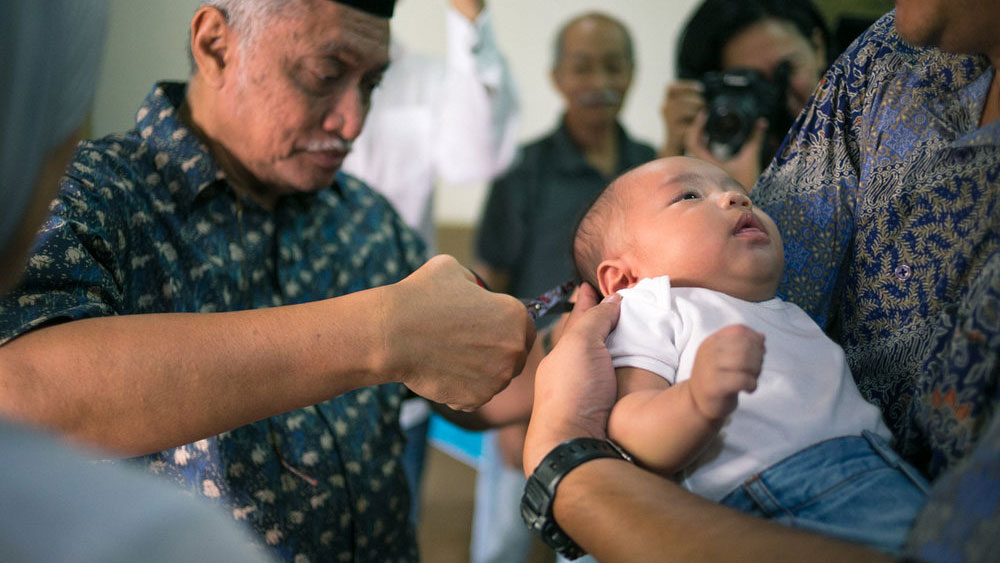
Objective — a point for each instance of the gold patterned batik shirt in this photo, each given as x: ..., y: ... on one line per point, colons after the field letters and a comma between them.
x: 887, y: 193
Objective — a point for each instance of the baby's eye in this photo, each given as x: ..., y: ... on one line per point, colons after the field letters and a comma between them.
x: 690, y: 195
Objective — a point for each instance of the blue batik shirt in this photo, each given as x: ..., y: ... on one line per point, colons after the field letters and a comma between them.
x: 887, y: 194
x: 146, y: 222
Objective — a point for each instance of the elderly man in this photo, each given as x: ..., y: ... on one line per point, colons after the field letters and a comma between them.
x: 200, y: 294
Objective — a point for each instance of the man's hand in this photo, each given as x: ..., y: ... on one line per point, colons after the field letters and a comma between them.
x: 727, y: 362
x: 575, y: 384
x: 450, y: 340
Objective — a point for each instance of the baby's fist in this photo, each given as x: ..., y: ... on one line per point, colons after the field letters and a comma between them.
x: 727, y: 362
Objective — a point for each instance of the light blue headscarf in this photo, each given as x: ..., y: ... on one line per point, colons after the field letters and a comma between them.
x: 49, y: 56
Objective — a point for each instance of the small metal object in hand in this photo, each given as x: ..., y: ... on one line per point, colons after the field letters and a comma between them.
x: 555, y: 300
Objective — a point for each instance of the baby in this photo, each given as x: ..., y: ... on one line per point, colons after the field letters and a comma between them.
x: 782, y: 433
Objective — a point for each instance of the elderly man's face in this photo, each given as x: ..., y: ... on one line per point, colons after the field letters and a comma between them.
x: 300, y: 94
x: 594, y: 72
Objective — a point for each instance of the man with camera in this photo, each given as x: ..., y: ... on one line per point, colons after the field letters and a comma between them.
x: 746, y: 69
x: 527, y: 225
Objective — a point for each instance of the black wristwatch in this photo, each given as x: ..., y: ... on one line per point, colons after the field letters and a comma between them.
x: 540, y: 490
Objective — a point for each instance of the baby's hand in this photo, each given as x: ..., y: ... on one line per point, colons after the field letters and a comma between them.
x: 727, y: 362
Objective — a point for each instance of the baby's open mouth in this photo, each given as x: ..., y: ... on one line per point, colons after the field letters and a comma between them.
x: 749, y: 224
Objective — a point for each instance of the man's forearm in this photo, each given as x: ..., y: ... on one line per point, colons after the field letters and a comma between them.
x: 142, y: 383
x: 620, y: 512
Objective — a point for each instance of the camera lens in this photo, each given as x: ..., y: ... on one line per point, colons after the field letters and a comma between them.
x: 730, y: 121
x: 726, y: 124
x: 736, y: 99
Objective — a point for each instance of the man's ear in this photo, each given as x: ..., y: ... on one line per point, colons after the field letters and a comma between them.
x: 613, y: 275
x: 211, y: 39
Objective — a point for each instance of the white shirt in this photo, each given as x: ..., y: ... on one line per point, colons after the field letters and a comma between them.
x: 455, y: 120
x: 805, y: 393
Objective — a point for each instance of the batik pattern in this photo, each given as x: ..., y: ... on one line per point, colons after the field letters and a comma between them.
x: 886, y: 192
x: 147, y: 223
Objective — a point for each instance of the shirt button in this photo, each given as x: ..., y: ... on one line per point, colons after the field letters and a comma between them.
x: 903, y: 272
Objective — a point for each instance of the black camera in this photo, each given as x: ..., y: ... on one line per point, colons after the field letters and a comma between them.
x: 735, y: 99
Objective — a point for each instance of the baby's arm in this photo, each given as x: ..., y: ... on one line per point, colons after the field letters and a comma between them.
x: 666, y: 426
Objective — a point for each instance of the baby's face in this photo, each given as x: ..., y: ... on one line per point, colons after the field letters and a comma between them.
x: 690, y: 220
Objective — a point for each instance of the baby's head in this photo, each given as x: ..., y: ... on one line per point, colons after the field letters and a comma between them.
x: 684, y: 218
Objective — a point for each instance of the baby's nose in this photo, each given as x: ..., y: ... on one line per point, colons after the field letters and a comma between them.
x: 736, y: 199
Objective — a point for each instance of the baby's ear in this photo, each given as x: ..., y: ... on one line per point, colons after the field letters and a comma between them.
x: 615, y: 274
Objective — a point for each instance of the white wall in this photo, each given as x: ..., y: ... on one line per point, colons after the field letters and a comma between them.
x: 147, y: 41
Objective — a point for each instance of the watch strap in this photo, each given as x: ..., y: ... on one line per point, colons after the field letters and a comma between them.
x: 540, y: 489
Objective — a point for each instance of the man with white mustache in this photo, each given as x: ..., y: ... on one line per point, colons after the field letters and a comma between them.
x: 527, y: 227
x: 212, y: 295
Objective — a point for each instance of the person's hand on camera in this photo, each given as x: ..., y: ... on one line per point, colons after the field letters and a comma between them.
x: 744, y: 166
x: 682, y: 102
x: 575, y: 384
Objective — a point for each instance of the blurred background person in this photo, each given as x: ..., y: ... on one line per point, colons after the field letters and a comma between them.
x: 745, y: 69
x: 523, y: 242
x: 432, y: 119
x: 451, y: 119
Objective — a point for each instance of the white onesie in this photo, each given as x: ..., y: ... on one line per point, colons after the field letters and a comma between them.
x: 805, y: 393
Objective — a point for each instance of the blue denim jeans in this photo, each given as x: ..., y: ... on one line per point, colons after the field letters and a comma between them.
x: 855, y: 488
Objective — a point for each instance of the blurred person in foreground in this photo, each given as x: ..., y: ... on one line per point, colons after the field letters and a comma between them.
x: 60, y: 503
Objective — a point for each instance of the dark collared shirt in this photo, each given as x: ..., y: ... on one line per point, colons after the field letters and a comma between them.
x: 527, y: 226
x: 146, y: 223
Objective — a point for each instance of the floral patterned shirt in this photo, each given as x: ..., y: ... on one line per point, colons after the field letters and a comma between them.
x: 146, y: 222
x: 887, y: 194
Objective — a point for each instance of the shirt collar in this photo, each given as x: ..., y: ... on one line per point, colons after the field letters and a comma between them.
x: 569, y: 158
x: 952, y: 88
x: 973, y: 97
x: 159, y: 123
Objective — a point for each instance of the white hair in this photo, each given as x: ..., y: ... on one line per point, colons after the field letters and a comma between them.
x: 248, y: 17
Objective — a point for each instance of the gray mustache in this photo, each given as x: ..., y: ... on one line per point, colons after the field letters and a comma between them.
x: 333, y: 144
x: 600, y: 97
